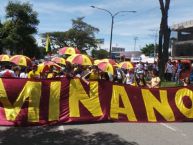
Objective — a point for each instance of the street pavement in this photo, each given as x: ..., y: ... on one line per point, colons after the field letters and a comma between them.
x: 100, y: 134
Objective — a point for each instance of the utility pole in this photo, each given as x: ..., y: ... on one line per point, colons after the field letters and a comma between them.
x: 135, y: 41
x: 155, y: 36
x: 112, y: 23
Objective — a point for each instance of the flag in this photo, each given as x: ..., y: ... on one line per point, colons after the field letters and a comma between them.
x: 48, y: 44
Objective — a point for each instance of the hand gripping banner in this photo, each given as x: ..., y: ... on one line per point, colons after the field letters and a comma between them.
x: 50, y: 101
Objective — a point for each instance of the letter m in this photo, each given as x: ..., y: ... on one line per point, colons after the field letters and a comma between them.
x: 31, y: 92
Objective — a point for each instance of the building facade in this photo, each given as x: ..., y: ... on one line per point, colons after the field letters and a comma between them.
x: 116, y: 51
x: 182, y: 40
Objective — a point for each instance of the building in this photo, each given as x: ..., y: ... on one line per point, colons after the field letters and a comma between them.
x: 116, y: 51
x: 134, y: 56
x: 182, y: 40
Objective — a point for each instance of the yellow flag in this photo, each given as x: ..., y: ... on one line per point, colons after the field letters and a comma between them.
x: 48, y: 45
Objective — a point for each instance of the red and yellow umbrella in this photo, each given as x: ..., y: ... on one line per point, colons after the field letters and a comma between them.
x: 68, y: 50
x: 97, y: 61
x: 111, y: 61
x: 106, y: 67
x: 45, y: 66
x: 4, y: 57
x: 105, y: 60
x: 21, y: 60
x: 79, y: 59
x: 126, y: 65
x: 59, y: 60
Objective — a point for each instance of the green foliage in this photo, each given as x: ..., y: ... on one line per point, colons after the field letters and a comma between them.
x: 148, y: 49
x: 38, y: 52
x: 58, y: 39
x: 81, y: 36
x: 99, y: 54
x: 19, y: 27
x: 169, y: 84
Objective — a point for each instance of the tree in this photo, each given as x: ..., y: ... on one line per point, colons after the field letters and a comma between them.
x: 164, y: 37
x: 81, y: 36
x: 19, y: 28
x: 148, y: 49
x: 99, y: 54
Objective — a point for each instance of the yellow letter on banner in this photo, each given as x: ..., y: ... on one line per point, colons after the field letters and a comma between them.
x: 78, y: 94
x: 161, y: 106
x: 54, y: 101
x: 31, y: 90
x: 119, y: 92
x: 180, y: 94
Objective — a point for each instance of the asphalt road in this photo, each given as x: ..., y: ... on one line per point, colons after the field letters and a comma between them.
x: 100, y: 134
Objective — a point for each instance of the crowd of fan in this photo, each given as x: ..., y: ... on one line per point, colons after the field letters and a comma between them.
x: 173, y: 73
x: 142, y: 75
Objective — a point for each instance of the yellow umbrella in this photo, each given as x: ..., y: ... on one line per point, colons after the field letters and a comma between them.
x: 79, y: 59
x: 59, y: 60
x: 21, y: 60
x: 126, y: 65
x: 106, y: 67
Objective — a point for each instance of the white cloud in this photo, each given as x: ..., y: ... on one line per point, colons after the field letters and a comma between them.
x: 56, y: 8
x: 56, y: 15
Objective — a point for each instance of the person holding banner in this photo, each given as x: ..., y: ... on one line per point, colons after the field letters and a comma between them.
x: 91, y: 75
x: 140, y: 80
x: 129, y: 77
x: 155, y: 80
x: 34, y: 73
x: 186, y: 81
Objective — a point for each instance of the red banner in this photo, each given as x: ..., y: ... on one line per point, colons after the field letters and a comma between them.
x: 50, y: 101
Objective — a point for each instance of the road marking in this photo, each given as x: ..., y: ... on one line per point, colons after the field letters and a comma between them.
x: 174, y: 129
x: 169, y: 127
x: 61, y: 128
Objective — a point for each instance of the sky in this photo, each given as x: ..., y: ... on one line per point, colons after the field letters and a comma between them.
x: 56, y: 15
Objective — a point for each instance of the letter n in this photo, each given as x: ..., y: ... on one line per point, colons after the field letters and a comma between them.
x: 78, y: 95
x: 162, y: 106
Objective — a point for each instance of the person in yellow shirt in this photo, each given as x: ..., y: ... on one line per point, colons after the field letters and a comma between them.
x: 94, y: 73
x: 53, y: 74
x: 91, y: 75
x: 34, y: 73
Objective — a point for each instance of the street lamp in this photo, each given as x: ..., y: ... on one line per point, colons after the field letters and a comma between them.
x: 112, y: 22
